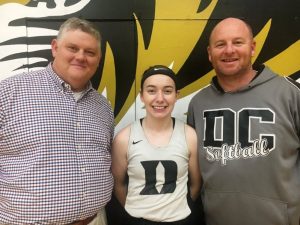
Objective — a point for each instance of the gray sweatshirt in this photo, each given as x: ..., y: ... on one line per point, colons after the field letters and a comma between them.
x: 249, y: 151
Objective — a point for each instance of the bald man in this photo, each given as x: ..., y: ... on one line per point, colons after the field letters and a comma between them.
x: 248, y: 125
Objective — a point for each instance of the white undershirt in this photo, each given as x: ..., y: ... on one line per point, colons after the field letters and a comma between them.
x: 77, y: 95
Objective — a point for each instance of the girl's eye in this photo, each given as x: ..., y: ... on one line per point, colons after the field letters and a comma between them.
x: 151, y: 91
x: 168, y: 92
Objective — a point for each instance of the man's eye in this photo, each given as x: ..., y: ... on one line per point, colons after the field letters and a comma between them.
x: 72, y: 48
x: 238, y: 43
x: 219, y: 45
x: 90, y: 53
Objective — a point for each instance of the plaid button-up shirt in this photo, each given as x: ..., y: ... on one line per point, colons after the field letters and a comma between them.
x: 54, y: 151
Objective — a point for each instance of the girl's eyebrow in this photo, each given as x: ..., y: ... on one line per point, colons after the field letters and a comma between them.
x: 167, y: 86
x: 150, y: 85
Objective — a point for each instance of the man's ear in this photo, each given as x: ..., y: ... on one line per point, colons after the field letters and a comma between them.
x: 54, y: 47
x: 208, y: 52
x: 253, y: 45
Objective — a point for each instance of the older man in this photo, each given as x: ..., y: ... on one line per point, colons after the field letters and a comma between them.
x: 55, y: 137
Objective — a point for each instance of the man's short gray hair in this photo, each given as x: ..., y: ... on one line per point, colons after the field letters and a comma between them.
x: 75, y: 23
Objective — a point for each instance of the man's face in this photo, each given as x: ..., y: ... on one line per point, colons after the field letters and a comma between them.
x: 76, y: 57
x: 231, y: 48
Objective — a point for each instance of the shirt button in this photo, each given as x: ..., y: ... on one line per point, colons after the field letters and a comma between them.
x: 82, y: 169
x: 78, y: 124
x: 68, y: 86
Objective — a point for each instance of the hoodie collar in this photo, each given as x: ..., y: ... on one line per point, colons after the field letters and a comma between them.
x: 255, y: 81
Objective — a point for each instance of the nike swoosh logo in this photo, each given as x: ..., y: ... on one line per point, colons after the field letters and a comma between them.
x: 135, y: 142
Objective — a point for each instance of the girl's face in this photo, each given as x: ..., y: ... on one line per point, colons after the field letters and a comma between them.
x: 159, y: 96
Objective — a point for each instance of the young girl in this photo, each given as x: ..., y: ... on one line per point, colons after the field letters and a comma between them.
x: 155, y: 160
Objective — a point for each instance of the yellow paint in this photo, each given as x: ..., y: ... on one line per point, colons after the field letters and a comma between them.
x: 23, y: 2
x: 108, y: 79
x: 260, y: 39
x: 197, y: 85
x: 174, y: 35
x: 287, y: 62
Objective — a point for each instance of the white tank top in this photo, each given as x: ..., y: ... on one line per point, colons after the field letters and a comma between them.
x: 158, y: 176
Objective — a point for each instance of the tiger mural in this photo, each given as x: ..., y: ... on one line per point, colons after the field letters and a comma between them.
x: 137, y: 34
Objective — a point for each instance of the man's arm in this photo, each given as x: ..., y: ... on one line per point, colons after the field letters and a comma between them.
x: 119, y: 164
x: 190, y: 116
x: 194, y: 170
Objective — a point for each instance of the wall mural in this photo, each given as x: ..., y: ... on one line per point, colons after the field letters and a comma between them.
x: 137, y: 34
